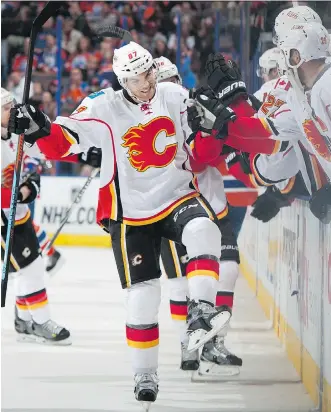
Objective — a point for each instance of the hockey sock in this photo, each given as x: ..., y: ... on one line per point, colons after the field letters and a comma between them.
x: 142, y: 329
x: 178, y: 293
x: 43, y: 239
x: 31, y: 296
x: 229, y: 271
x: 143, y: 341
x: 202, y: 275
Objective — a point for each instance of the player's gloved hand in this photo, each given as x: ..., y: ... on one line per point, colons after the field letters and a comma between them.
x: 92, y: 157
x: 215, y: 114
x: 268, y: 205
x: 32, y: 183
x: 29, y: 120
x: 320, y: 204
x: 239, y: 157
x: 224, y: 78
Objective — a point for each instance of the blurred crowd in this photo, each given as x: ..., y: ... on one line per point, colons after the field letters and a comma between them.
x: 87, y: 60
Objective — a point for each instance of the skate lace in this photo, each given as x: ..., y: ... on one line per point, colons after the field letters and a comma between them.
x: 199, y: 310
x: 51, y: 327
x: 146, y: 378
x: 219, y: 345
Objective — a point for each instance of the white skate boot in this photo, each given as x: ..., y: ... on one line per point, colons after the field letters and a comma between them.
x: 204, y: 321
x: 189, y: 360
x: 49, y: 332
x: 217, y: 360
x: 146, y: 388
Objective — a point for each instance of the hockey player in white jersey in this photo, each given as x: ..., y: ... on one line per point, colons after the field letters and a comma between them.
x: 306, y: 48
x: 32, y: 312
x: 145, y: 195
x: 215, y: 358
x: 268, y: 71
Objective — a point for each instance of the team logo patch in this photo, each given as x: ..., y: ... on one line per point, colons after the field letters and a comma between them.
x: 316, y: 139
x: 96, y: 94
x: 80, y: 109
x: 141, y: 142
x: 136, y: 260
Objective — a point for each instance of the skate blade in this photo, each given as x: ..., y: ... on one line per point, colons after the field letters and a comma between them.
x: 145, y: 405
x: 60, y: 263
x: 212, y: 372
x: 42, y: 341
x: 199, y: 337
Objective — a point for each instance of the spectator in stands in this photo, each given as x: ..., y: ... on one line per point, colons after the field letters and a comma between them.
x: 48, y: 59
x: 159, y: 46
x: 71, y: 36
x: 37, y: 94
x: 85, y: 53
x: 15, y: 86
x: 79, y: 18
x: 48, y: 105
x: 20, y: 60
x: 41, y: 42
x: 78, y: 89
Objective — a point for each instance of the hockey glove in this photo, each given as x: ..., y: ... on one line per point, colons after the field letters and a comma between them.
x: 92, y: 157
x: 215, y: 114
x: 320, y: 204
x: 30, y: 121
x: 224, y: 78
x: 32, y: 182
x: 268, y: 205
x: 242, y: 158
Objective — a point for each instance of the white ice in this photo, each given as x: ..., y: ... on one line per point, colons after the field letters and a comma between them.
x: 94, y: 375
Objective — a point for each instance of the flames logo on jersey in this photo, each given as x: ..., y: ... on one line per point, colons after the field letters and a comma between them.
x: 141, y: 142
x: 7, y: 176
x: 316, y: 139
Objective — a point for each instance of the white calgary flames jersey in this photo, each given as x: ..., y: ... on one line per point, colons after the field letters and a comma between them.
x: 7, y: 172
x: 319, y: 98
x: 283, y: 165
x: 144, y: 151
x: 210, y: 184
x: 262, y: 93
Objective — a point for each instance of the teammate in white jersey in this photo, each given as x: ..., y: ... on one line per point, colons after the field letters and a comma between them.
x: 306, y: 48
x: 268, y: 71
x: 145, y: 195
x: 209, y: 182
x: 32, y: 313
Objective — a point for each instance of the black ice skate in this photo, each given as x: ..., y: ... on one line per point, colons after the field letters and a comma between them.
x: 204, y: 321
x: 54, y: 262
x: 146, y: 389
x: 189, y: 360
x: 48, y: 333
x: 217, y: 360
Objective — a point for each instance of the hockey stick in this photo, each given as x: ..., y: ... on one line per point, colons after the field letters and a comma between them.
x: 114, y: 31
x: 47, y: 12
x: 75, y: 202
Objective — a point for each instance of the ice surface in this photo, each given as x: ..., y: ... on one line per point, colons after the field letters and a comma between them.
x: 94, y: 375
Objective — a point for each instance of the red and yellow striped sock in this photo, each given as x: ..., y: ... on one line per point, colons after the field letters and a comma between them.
x: 202, y: 274
x: 224, y: 298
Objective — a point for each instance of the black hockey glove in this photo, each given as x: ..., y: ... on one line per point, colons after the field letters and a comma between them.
x: 242, y: 158
x: 215, y: 114
x: 30, y: 121
x: 224, y: 78
x: 268, y: 205
x: 320, y: 204
x: 92, y: 157
x: 32, y: 182
x: 256, y: 104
